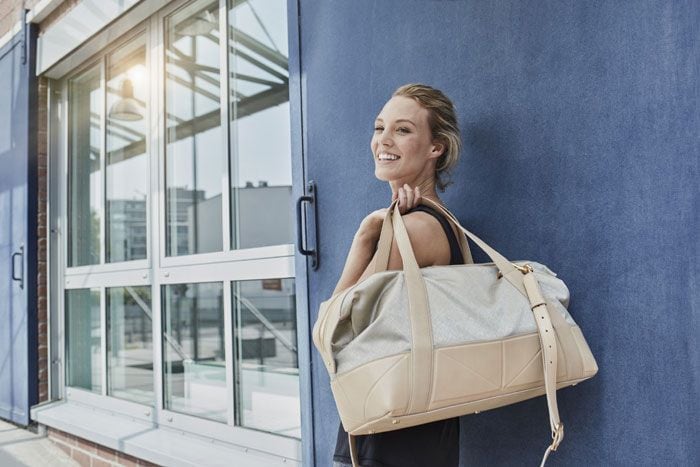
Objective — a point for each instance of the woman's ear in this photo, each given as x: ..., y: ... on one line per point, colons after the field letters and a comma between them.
x: 437, y: 149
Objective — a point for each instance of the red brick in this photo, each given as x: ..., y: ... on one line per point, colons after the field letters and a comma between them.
x: 62, y: 437
x: 96, y: 462
x: 105, y: 453
x: 81, y: 457
x: 127, y: 460
x: 85, y: 445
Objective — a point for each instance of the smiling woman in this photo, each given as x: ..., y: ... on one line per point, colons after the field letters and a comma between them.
x: 415, y: 142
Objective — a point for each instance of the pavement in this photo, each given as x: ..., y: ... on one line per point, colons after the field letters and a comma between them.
x: 20, y: 447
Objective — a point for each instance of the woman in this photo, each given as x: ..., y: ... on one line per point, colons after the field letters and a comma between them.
x: 416, y: 141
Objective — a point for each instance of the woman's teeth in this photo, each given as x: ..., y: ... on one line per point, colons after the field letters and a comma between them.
x: 387, y: 157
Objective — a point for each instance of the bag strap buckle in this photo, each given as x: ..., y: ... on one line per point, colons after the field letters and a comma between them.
x: 525, y: 268
x: 557, y: 436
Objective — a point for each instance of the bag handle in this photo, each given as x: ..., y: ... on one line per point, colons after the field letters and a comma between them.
x: 384, y: 245
x: 421, y: 326
x: 388, y: 231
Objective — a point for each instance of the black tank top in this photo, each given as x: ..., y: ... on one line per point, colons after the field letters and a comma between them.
x: 433, y: 444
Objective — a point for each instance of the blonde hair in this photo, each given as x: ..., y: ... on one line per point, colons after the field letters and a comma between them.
x: 444, y: 127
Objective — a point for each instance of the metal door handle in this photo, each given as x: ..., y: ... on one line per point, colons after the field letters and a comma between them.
x: 19, y: 253
x: 301, y: 227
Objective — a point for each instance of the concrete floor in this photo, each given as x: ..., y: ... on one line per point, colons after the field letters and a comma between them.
x: 20, y: 447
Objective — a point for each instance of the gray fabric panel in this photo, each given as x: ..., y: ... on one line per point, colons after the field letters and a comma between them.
x: 467, y: 304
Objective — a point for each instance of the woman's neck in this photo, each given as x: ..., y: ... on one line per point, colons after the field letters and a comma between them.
x: 426, y: 188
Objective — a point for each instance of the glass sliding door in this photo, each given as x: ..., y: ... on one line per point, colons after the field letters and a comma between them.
x: 85, y: 168
x: 260, y: 154
x: 193, y: 350
x: 109, y: 330
x: 130, y: 344
x: 267, y: 368
x: 179, y: 143
x: 194, y: 156
x: 127, y: 159
x: 83, y: 339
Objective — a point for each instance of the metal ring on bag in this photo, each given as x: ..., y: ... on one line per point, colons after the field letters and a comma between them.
x: 525, y: 268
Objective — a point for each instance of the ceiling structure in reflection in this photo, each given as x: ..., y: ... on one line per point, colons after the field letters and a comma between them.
x: 258, y: 78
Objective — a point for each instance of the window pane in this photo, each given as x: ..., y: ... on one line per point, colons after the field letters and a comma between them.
x: 127, y: 162
x: 193, y: 344
x: 267, y: 367
x: 85, y: 175
x: 83, y: 339
x: 261, y: 174
x: 194, y: 159
x: 130, y: 344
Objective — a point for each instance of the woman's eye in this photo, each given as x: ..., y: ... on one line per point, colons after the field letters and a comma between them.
x: 403, y: 130
x: 378, y: 128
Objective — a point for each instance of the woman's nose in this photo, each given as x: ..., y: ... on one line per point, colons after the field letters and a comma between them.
x: 385, y: 138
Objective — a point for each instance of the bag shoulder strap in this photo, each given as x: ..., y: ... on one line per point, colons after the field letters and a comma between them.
x: 455, y: 253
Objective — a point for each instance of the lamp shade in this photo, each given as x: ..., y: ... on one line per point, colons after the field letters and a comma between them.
x: 126, y: 108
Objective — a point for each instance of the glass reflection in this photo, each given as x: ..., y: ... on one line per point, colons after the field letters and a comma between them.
x: 127, y: 161
x: 193, y: 343
x: 194, y: 159
x: 267, y: 365
x: 261, y: 175
x: 83, y: 339
x: 130, y: 344
x: 85, y: 175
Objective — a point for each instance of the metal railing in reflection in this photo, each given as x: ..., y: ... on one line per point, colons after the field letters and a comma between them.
x: 171, y: 340
x: 241, y: 299
x: 265, y: 322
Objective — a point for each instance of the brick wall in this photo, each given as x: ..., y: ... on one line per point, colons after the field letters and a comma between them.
x: 42, y: 286
x: 11, y: 12
x: 89, y: 454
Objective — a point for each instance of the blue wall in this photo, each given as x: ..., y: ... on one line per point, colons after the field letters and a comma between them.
x: 18, y: 213
x: 580, y: 124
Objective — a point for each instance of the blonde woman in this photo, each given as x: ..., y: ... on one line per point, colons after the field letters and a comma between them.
x: 416, y: 142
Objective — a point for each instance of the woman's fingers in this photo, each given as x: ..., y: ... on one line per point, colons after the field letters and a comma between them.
x: 402, y: 200
x: 408, y: 198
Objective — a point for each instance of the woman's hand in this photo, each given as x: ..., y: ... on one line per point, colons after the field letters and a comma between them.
x: 371, y: 225
x: 364, y: 244
x: 408, y: 198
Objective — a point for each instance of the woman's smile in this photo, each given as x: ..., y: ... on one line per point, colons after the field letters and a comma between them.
x: 387, y: 157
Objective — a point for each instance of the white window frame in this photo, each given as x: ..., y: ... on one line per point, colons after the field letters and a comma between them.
x: 157, y: 270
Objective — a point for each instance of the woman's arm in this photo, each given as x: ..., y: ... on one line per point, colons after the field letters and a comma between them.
x: 361, y: 254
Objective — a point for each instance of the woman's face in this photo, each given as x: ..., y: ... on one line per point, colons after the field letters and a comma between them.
x: 402, y: 145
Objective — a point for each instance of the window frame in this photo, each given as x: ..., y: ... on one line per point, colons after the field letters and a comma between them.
x: 157, y: 269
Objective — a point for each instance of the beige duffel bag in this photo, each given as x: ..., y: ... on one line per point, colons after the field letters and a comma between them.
x: 409, y: 347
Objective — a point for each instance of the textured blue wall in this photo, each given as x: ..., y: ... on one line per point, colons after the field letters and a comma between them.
x: 581, y: 126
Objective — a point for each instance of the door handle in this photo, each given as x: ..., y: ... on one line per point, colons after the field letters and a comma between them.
x: 301, y: 226
x: 19, y: 253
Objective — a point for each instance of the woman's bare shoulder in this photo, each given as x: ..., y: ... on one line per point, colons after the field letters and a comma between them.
x: 427, y: 238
